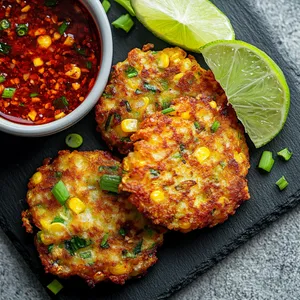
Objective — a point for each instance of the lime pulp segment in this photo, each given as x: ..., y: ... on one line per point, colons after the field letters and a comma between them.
x: 254, y: 84
x: 189, y: 24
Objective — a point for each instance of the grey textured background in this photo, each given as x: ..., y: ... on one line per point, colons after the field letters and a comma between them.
x: 267, y: 267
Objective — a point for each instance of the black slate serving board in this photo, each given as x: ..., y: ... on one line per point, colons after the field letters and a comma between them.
x: 183, y: 256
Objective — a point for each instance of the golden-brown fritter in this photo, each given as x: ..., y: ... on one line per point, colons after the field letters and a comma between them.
x: 96, y: 235
x: 144, y: 83
x: 188, y: 167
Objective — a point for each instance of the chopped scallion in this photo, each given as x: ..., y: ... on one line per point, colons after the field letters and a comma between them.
x: 89, y: 64
x: 138, y: 248
x: 215, y: 126
x: 154, y: 173
x: 106, y: 5
x: 285, y: 154
x: 4, y: 24
x: 63, y: 27
x: 127, y: 5
x: 2, y: 78
x: 266, y: 161
x: 50, y: 3
x: 122, y: 232
x: 74, y: 140
x: 60, y: 192
x: 61, y: 103
x: 150, y: 87
x: 55, y: 286
x: 131, y: 72
x: 22, y: 29
x: 8, y: 92
x: 168, y: 110
x: 58, y: 220
x: 165, y: 104
x: 76, y: 243
x: 110, y: 183
x: 4, y: 48
x: 81, y: 50
x: 50, y: 247
x: 124, y: 22
x: 282, y: 183
x: 197, y: 125
x: 104, y: 243
x: 86, y: 254
x: 128, y: 107
x: 32, y: 95
x: 108, y: 122
x: 138, y: 92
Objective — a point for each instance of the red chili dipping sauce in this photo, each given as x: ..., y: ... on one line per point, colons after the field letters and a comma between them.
x: 49, y: 59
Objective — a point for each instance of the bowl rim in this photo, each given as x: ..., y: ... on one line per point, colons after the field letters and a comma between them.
x: 101, y: 21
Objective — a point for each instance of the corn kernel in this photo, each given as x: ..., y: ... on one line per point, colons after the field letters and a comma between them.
x: 26, y: 76
x: 38, y: 62
x: 185, y: 225
x: 74, y: 73
x: 76, y: 205
x: 186, y: 65
x: 213, y: 104
x: 37, y: 178
x: 126, y: 165
x: 164, y: 61
x: 32, y: 115
x: 26, y: 8
x: 118, y: 269
x: 186, y: 115
x: 57, y: 228
x: 45, y: 223
x: 99, y: 276
x: 175, y: 56
x: 129, y: 125
x: 223, y: 200
x: 44, y: 41
x: 178, y: 76
x: 239, y: 157
x: 146, y: 101
x: 59, y: 116
x: 202, y: 153
x: 157, y: 196
x: 56, y: 36
x: 69, y: 41
x: 76, y: 86
x: 45, y: 239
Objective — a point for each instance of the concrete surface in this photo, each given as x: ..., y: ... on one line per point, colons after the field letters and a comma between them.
x: 267, y: 267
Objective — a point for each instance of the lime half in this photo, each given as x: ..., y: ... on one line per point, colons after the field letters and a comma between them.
x: 189, y: 24
x: 254, y: 84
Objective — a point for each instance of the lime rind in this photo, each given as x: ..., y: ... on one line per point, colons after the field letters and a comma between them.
x: 254, y: 84
x: 187, y: 24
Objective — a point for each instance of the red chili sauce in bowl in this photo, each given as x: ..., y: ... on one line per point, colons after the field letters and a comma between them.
x: 48, y: 59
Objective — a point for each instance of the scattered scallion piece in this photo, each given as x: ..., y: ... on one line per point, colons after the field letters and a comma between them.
x: 127, y: 5
x: 61, y: 103
x: 74, y: 140
x: 150, y: 87
x: 108, y: 121
x: 55, y: 286
x: 76, y: 243
x: 106, y: 5
x: 110, y: 183
x: 86, y: 254
x: 104, y: 244
x: 282, y: 183
x: 60, y: 192
x: 50, y: 247
x: 2, y: 78
x: 215, y: 126
x: 197, y: 125
x: 131, y: 72
x: 89, y: 64
x: 8, y: 92
x: 165, y: 104
x: 138, y: 92
x: 266, y: 161
x: 50, y: 3
x: 168, y: 110
x: 109, y: 168
x: 128, y: 107
x: 154, y: 173
x: 58, y: 220
x: 285, y: 154
x: 138, y: 248
x: 32, y: 95
x: 22, y: 29
x: 4, y: 48
x: 63, y: 27
x: 124, y: 22
x: 81, y: 50
x: 122, y: 232
x: 4, y: 24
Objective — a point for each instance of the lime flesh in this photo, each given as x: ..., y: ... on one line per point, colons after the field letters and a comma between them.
x: 189, y: 24
x: 254, y: 84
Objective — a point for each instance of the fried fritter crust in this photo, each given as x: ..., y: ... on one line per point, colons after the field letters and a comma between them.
x: 182, y: 174
x: 146, y: 82
x: 106, y: 239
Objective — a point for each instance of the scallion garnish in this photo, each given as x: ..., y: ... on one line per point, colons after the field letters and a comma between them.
x: 32, y: 95
x: 109, y: 168
x: 168, y: 110
x: 122, y: 232
x: 285, y: 154
x: 110, y: 183
x: 215, y: 126
x: 282, y: 183
x: 22, y: 29
x: 124, y: 22
x: 154, y: 173
x: 58, y: 220
x: 150, y: 87
x: 81, y: 50
x: 266, y: 161
x: 197, y: 125
x: 2, y: 78
x: 4, y: 24
x: 8, y: 92
x: 50, y: 3
x: 128, y: 107
x: 127, y: 5
x: 106, y: 5
x: 131, y: 72
x: 138, y: 248
x: 55, y: 286
x: 104, y: 242
x: 60, y: 192
x: 63, y: 27
x: 165, y: 104
x: 108, y: 121
x: 138, y: 92
x: 4, y: 48
x: 61, y: 103
x: 76, y: 243
x: 86, y: 254
x: 89, y: 64
x: 50, y: 247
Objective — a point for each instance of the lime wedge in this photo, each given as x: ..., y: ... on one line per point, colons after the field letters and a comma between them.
x: 254, y: 84
x: 189, y: 24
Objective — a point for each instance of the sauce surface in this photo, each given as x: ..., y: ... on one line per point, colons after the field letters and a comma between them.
x: 48, y: 59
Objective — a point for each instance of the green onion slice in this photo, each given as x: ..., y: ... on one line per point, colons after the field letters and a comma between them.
x: 138, y: 248
x: 282, y: 183
x: 127, y: 5
x: 106, y: 5
x: 55, y: 286
x: 86, y: 254
x: 58, y: 220
x: 215, y: 126
x: 131, y: 72
x: 110, y: 183
x: 60, y: 192
x: 4, y: 24
x: 32, y: 95
x: 8, y: 92
x: 4, y: 48
x: 168, y: 110
x: 63, y: 27
x: 89, y: 64
x: 122, y: 232
x: 124, y: 22
x: 150, y: 87
x: 61, y: 103
x: 74, y: 140
x: 128, y: 107
x: 2, y: 78
x: 266, y: 161
x: 50, y: 3
x: 22, y: 29
x: 104, y: 244
x: 285, y: 154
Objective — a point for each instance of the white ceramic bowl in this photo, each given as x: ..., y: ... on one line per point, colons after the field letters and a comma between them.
x: 97, y: 12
